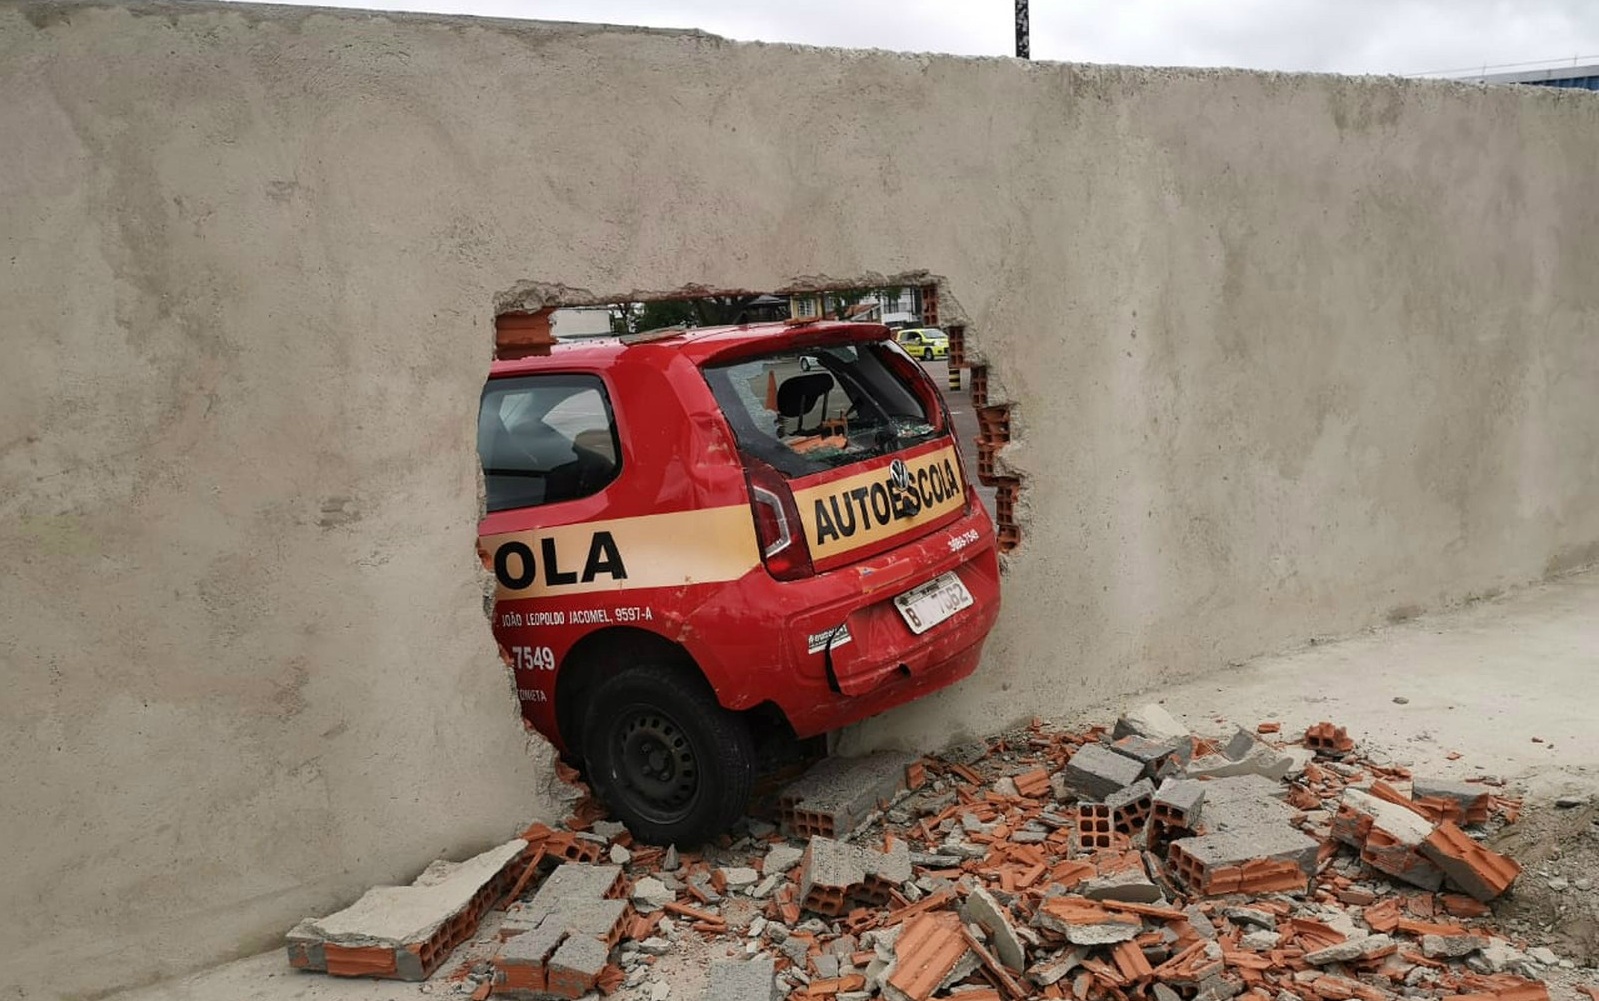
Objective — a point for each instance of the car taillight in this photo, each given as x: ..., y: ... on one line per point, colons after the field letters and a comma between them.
x: 777, y: 524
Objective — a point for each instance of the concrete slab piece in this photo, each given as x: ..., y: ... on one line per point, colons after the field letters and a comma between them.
x: 1242, y: 802
x: 1152, y: 721
x: 1261, y: 760
x: 396, y: 915
x: 1263, y: 841
x: 994, y: 918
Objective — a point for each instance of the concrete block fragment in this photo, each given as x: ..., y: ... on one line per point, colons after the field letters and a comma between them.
x: 1451, y: 946
x: 1252, y: 917
x: 1177, y: 802
x: 1262, y: 859
x: 1084, y: 922
x: 781, y: 858
x: 1218, y: 988
x: 1247, y: 788
x: 1095, y: 828
x: 650, y: 894
x: 1370, y: 947
x: 1154, y: 753
x: 575, y: 966
x: 1131, y: 884
x: 1389, y: 837
x: 831, y: 875
x: 522, y: 962
x: 1095, y: 771
x: 1151, y: 721
x: 1260, y: 941
x: 1200, y: 922
x: 601, y: 919
x: 742, y: 981
x: 836, y: 794
x: 1130, y: 806
x: 1104, y: 933
x: 1054, y: 970
x: 885, y: 872
x: 570, y: 882
x: 763, y: 889
x: 1470, y: 800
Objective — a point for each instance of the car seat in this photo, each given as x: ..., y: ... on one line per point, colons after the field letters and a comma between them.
x: 797, y: 396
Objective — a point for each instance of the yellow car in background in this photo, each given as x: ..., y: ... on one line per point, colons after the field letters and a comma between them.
x: 925, y: 343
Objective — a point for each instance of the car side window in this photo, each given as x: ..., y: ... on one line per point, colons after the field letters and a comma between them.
x: 544, y: 439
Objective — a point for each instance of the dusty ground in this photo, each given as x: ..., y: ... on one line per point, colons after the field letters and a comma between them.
x: 1556, y: 901
x: 1481, y: 682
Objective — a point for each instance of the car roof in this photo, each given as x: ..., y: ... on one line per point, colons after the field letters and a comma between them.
x: 701, y: 345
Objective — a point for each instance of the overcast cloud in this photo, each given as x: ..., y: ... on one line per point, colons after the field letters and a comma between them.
x: 1338, y: 36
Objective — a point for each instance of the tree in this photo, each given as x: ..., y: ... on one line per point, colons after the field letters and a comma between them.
x: 708, y: 311
x: 842, y: 300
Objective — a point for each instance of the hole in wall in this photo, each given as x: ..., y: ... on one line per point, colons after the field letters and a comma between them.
x: 982, y: 424
x: 560, y: 435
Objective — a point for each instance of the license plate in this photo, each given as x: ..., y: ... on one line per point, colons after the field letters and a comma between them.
x: 926, y: 605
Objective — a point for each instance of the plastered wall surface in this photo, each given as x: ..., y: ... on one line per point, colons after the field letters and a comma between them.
x: 1289, y: 356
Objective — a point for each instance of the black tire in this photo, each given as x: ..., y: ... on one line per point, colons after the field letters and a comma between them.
x: 669, y: 762
x: 927, y: 355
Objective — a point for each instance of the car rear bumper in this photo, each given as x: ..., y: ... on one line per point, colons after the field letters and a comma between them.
x: 881, y: 664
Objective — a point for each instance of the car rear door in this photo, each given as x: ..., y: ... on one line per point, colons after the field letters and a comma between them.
x: 861, y: 441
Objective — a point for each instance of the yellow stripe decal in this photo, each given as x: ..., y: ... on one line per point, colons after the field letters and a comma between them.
x: 658, y: 550
x: 844, y: 515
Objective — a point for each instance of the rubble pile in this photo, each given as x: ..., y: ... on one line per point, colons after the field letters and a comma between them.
x: 1141, y: 862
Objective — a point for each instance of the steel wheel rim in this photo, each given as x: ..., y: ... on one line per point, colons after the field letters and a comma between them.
x: 655, y: 763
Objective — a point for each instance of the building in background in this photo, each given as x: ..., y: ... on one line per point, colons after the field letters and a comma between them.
x: 1570, y: 76
x: 897, y: 307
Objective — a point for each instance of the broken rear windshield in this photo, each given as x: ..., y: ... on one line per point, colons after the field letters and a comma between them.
x: 807, y: 411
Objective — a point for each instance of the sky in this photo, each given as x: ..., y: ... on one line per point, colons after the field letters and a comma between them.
x: 1408, y: 37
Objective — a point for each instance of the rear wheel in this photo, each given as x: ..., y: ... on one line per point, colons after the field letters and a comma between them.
x: 669, y: 762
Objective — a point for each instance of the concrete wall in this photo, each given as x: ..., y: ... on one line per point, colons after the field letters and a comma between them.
x: 1289, y: 355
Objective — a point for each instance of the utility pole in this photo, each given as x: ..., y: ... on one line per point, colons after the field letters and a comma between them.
x: 1023, y: 49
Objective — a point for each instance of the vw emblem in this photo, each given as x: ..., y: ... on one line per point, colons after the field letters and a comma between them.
x: 899, y: 474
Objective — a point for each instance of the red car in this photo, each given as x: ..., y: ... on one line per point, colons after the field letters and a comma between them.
x: 704, y: 538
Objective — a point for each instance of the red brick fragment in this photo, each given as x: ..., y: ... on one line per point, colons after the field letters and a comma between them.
x: 1325, y: 738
